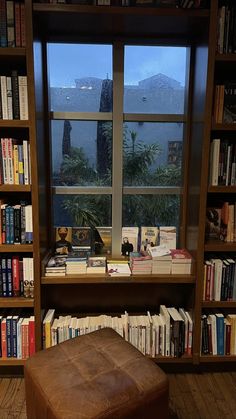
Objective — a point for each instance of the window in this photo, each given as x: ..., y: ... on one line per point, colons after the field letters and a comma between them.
x: 117, y: 131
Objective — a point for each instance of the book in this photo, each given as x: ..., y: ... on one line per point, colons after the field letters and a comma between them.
x: 63, y: 240
x: 149, y: 237
x: 23, y: 97
x: 213, y: 222
x: 96, y: 264
x: 47, y: 322
x: 129, y: 240
x: 81, y: 237
x: 229, y: 115
x: 168, y: 236
x: 118, y: 269
x: 105, y: 244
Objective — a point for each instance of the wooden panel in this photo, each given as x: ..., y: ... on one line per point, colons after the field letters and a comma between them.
x: 16, y: 302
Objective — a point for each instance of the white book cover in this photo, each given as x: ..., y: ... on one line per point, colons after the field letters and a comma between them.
x: 164, y: 312
x: 4, y: 97
x: 9, y: 99
x: 214, y: 161
x: 129, y: 239
x: 168, y: 236
x: 28, y: 224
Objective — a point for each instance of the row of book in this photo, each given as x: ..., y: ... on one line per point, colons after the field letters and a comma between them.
x: 222, y: 163
x: 15, y: 162
x: 17, y: 336
x: 12, y: 24
x: 16, y: 276
x: 100, y: 239
x: 155, y: 3
x: 225, y: 103
x: 218, y: 334
x: 221, y: 222
x: 226, y: 36
x: 168, y: 333
x: 174, y: 261
x: 16, y: 223
x: 219, y: 278
x: 14, y: 97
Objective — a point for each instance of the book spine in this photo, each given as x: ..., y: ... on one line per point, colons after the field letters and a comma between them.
x: 28, y: 224
x: 16, y: 164
x: 10, y: 161
x: 4, y: 160
x: 14, y: 336
x: 10, y: 24
x: 17, y: 224
x: 16, y: 276
x: 26, y: 162
x: 4, y: 97
x: 9, y: 336
x: 31, y: 336
x: 15, y: 94
x: 17, y: 24
x: 22, y: 25
x: 23, y: 97
x: 9, y: 99
x: 9, y: 277
x: 3, y: 23
x: 4, y: 337
x: 21, y: 164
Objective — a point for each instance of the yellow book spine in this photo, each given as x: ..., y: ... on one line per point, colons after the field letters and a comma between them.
x: 16, y: 164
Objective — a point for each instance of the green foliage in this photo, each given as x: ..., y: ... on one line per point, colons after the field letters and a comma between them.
x: 75, y: 168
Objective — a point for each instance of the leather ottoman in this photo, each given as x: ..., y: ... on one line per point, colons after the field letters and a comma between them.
x: 98, y: 375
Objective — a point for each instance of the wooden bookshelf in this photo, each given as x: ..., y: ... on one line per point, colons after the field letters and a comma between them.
x: 16, y: 248
x: 19, y: 302
x: 101, y: 278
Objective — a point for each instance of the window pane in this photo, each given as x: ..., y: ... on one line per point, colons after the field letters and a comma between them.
x: 151, y: 210
x: 81, y: 152
x: 154, y: 79
x: 82, y: 210
x: 80, y: 77
x: 152, y: 154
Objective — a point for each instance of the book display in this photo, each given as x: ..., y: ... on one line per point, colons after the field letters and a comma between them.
x: 190, y: 292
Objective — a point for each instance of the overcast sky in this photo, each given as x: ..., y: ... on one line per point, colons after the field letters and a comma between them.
x: 68, y: 62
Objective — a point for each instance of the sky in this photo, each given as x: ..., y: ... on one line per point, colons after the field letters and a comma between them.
x: 68, y: 62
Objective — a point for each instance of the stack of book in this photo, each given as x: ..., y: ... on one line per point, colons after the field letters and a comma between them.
x: 161, y: 259
x: 140, y: 263
x: 56, y: 266
x: 76, y: 264
x: 118, y: 269
x: 181, y: 262
x: 96, y: 264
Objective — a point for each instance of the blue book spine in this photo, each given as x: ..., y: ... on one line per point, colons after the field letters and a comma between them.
x: 14, y: 336
x: 220, y: 334
x: 11, y: 226
x: 9, y: 277
x: 4, y: 276
x: 9, y: 336
x: 21, y: 165
x: 8, y: 225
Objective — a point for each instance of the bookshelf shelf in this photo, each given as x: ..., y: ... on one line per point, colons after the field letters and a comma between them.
x: 225, y: 57
x: 217, y: 358
x: 61, y: 20
x: 223, y: 127
x: 16, y: 302
x: 14, y: 52
x: 185, y: 359
x: 12, y: 362
x: 105, y: 279
x: 18, y: 248
x: 219, y: 246
x: 219, y: 304
x: 14, y: 123
x: 15, y: 188
x: 222, y: 189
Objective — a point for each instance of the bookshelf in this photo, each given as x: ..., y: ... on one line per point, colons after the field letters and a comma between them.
x: 101, y: 293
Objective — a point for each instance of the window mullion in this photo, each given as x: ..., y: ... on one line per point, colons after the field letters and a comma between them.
x: 117, y: 161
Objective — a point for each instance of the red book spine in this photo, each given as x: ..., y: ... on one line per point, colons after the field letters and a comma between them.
x: 227, y: 338
x: 17, y: 25
x: 16, y: 276
x: 31, y: 336
x: 25, y: 340
x: 4, y: 338
x: 22, y: 24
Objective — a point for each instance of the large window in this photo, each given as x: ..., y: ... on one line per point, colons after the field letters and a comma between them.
x: 117, y: 131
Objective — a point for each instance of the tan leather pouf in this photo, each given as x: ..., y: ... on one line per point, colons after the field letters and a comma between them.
x: 98, y: 375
